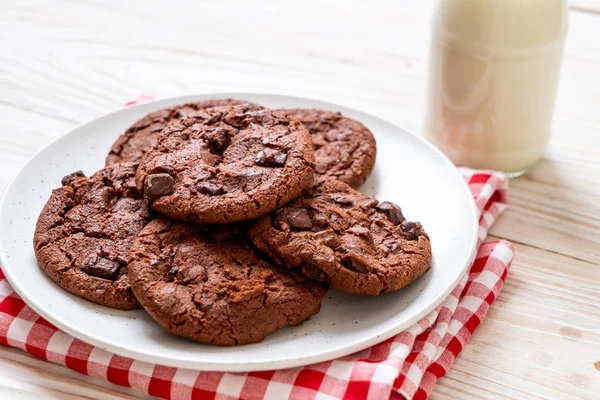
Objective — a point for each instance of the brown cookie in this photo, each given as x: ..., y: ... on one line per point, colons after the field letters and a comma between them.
x: 133, y: 144
x: 84, y: 233
x: 336, y: 234
x: 209, y: 285
x: 226, y: 164
x: 344, y: 148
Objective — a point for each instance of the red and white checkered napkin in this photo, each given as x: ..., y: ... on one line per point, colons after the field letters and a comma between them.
x: 406, y: 365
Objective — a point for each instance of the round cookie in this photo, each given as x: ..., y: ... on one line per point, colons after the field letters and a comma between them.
x: 209, y: 285
x: 226, y: 164
x: 135, y: 141
x: 84, y: 233
x: 344, y: 148
x: 336, y: 234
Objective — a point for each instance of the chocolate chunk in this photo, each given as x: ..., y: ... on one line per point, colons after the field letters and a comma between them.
x: 313, y: 272
x: 341, y: 199
x: 337, y: 222
x: 208, y: 188
x: 393, y: 247
x: 409, y: 230
x: 159, y: 185
x: 320, y: 222
x: 101, y: 267
x: 218, y: 139
x: 354, y: 263
x: 393, y: 212
x: 270, y: 158
x: 295, y: 217
x: 328, y: 238
x: 66, y: 181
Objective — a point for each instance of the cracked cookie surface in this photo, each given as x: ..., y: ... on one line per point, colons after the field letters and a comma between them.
x: 226, y: 164
x: 209, y: 285
x: 84, y: 233
x: 344, y: 148
x: 137, y: 139
x: 336, y: 234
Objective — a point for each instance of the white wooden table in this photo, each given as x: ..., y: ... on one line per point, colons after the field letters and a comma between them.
x: 65, y: 62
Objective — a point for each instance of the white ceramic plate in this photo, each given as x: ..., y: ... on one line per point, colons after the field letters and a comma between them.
x: 408, y: 172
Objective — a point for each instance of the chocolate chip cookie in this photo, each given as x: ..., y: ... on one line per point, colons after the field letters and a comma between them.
x: 336, y: 234
x: 344, y: 148
x: 226, y: 164
x: 131, y: 145
x: 84, y: 233
x: 209, y: 285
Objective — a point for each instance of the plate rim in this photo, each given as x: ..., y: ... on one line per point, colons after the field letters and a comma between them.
x: 247, y: 365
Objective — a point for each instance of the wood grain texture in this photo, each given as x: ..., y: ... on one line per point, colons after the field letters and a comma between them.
x: 540, y: 338
x: 24, y: 375
x: 83, y: 59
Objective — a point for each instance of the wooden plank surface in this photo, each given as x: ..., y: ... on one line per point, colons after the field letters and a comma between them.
x: 61, y: 68
x: 546, y: 318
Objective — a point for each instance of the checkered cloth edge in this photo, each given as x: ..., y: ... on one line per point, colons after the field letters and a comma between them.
x: 404, y: 366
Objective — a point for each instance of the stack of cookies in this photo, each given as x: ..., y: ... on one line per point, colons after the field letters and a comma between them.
x: 226, y: 221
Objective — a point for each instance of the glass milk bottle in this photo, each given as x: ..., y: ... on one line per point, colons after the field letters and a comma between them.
x: 493, y: 75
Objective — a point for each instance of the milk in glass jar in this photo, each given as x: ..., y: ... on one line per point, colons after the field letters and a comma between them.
x: 493, y: 77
